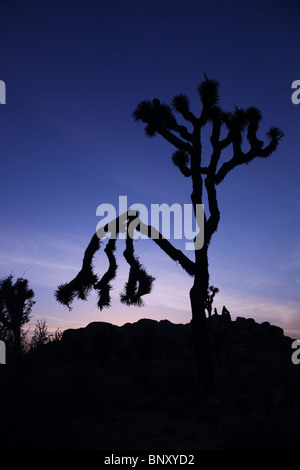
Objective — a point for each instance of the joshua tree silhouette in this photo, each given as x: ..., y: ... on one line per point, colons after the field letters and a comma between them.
x: 211, y: 292
x: 16, y: 302
x: 159, y: 119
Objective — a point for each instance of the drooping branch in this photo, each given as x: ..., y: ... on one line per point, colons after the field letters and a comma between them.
x: 85, y: 280
x: 103, y: 286
x: 139, y: 281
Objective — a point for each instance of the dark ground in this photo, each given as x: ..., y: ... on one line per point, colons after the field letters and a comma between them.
x: 133, y: 387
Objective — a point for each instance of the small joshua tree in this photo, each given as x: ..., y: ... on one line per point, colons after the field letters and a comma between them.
x: 212, y: 291
x: 159, y: 119
x: 16, y: 302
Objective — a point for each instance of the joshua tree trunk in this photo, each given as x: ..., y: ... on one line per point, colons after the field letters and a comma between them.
x: 198, y: 294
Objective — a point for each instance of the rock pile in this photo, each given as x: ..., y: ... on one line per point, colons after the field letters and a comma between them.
x: 134, y: 387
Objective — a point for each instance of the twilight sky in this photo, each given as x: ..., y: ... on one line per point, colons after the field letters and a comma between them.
x: 74, y: 73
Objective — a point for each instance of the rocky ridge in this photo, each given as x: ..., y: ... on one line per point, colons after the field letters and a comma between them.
x: 134, y: 387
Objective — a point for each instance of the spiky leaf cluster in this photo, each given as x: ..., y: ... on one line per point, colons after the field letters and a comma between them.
x: 104, y: 286
x: 79, y: 287
x: 155, y: 115
x: 274, y: 133
x: 181, y: 159
x: 181, y: 104
x: 85, y: 280
x: 139, y: 281
x: 209, y: 93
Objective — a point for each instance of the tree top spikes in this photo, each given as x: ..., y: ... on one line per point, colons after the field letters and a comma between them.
x: 181, y: 103
x: 209, y: 92
x: 253, y: 115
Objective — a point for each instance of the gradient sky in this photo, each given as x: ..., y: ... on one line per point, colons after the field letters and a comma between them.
x: 74, y: 73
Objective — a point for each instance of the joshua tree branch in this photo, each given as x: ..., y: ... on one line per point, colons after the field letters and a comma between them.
x: 134, y: 222
x: 174, y: 140
x: 139, y: 282
x: 240, y: 157
x: 189, y: 116
x: 215, y: 157
x: 181, y: 105
x: 196, y: 169
x: 166, y: 246
x: 213, y: 221
x: 185, y: 171
x: 225, y: 142
x: 184, y: 133
x: 103, y: 286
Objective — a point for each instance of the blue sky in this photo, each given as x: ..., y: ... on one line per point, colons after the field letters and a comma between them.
x: 74, y: 73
